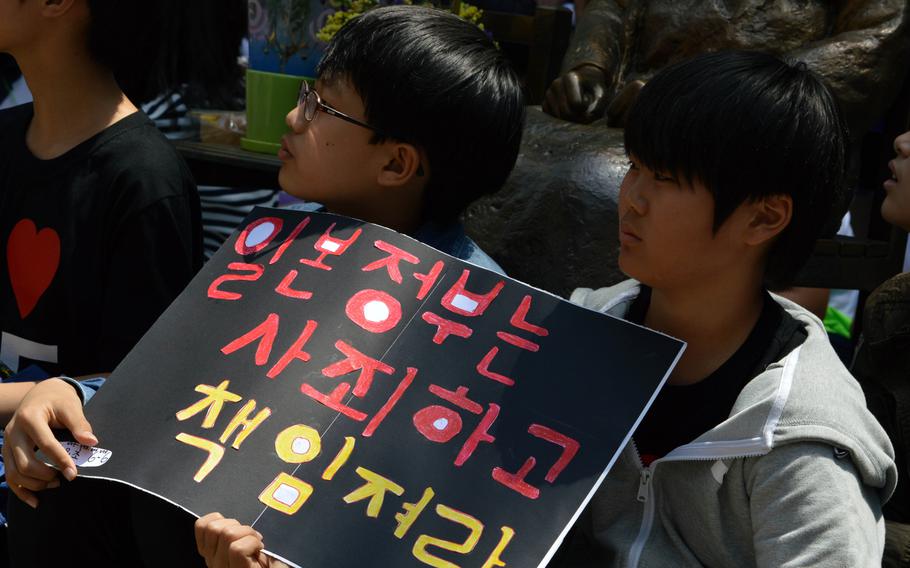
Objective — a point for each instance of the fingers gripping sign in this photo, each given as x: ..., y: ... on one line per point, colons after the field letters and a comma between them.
x: 225, y: 543
x: 50, y: 404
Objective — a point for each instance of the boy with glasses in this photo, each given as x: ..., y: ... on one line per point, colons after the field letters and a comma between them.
x: 415, y: 115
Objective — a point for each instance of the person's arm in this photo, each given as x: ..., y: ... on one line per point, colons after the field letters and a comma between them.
x: 53, y: 403
x: 11, y: 394
x: 810, y: 508
x: 599, y: 36
x: 225, y: 543
x: 864, y: 60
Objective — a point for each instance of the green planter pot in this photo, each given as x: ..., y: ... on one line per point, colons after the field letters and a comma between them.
x: 269, y: 97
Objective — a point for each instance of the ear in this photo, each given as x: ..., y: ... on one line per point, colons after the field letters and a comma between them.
x: 769, y: 216
x: 56, y: 8
x: 404, y: 163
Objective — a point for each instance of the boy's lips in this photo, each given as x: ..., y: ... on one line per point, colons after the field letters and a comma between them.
x: 285, y: 153
x: 893, y: 180
x: 627, y: 235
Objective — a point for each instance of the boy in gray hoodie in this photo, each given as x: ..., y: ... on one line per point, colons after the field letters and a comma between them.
x: 759, y: 451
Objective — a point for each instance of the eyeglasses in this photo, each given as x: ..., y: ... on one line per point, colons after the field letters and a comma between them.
x: 309, y: 102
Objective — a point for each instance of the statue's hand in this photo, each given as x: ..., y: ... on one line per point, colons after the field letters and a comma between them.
x: 618, y: 111
x: 579, y: 95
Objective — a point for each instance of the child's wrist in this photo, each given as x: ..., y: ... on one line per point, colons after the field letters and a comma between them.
x: 75, y: 385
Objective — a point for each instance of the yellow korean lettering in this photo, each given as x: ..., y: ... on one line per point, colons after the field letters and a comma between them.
x: 424, y: 541
x: 214, y: 400
x: 246, y: 424
x: 374, y: 489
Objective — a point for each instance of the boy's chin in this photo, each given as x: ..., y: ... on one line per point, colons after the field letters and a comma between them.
x: 289, y: 185
x: 895, y: 214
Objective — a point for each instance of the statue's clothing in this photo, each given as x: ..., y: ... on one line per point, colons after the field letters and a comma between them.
x: 860, y: 47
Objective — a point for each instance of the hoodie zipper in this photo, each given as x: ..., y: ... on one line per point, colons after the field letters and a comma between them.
x: 647, y: 518
x: 706, y: 451
x: 689, y: 452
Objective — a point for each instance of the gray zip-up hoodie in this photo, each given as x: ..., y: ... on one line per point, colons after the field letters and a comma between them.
x: 794, y: 477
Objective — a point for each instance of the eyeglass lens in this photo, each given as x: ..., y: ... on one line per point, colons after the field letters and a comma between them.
x: 307, y: 101
x: 309, y: 105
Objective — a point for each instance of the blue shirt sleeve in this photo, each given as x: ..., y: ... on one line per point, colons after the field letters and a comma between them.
x: 85, y: 388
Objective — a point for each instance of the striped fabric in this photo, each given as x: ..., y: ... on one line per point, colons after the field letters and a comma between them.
x: 223, y: 208
x: 171, y: 115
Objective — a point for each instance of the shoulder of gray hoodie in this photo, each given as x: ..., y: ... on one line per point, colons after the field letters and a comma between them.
x: 782, y: 421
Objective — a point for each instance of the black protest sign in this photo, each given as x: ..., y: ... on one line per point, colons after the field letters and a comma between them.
x: 363, y: 399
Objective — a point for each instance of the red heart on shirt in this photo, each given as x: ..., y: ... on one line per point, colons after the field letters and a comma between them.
x: 32, y: 257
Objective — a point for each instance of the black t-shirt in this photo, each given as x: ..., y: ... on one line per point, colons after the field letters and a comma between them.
x: 694, y: 409
x: 95, y: 244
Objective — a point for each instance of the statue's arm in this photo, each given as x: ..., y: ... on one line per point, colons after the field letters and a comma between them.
x: 864, y: 60
x: 598, y: 37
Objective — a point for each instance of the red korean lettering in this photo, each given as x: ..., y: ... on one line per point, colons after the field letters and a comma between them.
x: 279, y: 252
x: 428, y: 280
x: 295, y: 352
x: 460, y: 301
x: 255, y: 271
x: 390, y: 403
x: 516, y: 481
x: 446, y: 327
x: 519, y: 319
x: 374, y: 310
x: 484, y: 368
x: 392, y: 262
x: 519, y: 342
x: 284, y: 288
x: 327, y: 245
x: 264, y: 332
x: 437, y: 423
x: 458, y: 397
x: 480, y: 434
x: 354, y: 361
x: 257, y: 235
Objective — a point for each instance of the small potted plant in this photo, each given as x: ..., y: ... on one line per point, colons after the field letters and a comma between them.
x: 287, y: 39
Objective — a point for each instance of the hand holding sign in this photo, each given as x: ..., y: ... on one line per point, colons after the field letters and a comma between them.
x: 225, y: 543
x: 50, y: 404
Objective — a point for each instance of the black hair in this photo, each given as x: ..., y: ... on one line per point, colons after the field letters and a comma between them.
x: 159, y: 45
x: 747, y: 125
x: 429, y: 78
x: 9, y: 74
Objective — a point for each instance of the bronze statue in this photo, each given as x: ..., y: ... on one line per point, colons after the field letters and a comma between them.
x: 855, y: 45
x: 554, y: 223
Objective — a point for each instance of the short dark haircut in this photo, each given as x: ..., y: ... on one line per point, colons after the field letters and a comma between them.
x: 155, y: 46
x: 429, y: 78
x: 747, y: 125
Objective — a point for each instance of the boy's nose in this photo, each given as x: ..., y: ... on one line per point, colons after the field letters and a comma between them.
x: 631, y: 192
x: 902, y: 145
x: 292, y: 122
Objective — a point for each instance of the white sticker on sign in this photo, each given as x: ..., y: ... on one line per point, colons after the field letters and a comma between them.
x: 86, y: 456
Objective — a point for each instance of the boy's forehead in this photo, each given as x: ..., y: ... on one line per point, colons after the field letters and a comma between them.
x: 336, y: 84
x: 333, y: 81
